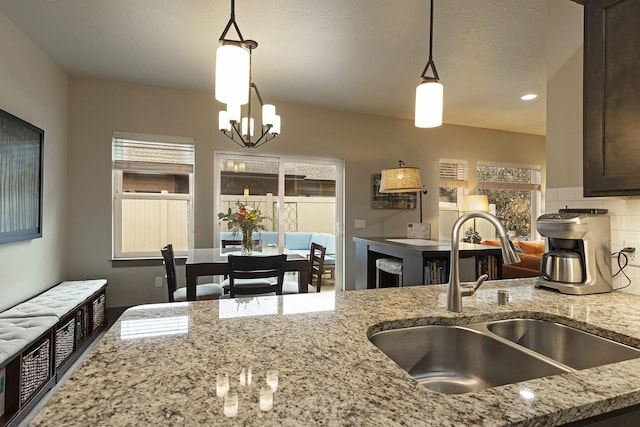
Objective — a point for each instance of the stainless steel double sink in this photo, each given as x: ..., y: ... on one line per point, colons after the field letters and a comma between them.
x: 466, y: 358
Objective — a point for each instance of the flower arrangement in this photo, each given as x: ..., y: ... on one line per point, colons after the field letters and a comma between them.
x: 245, y: 220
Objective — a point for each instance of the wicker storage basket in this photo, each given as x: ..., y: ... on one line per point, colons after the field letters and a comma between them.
x: 98, y: 311
x: 65, y: 340
x: 35, y: 370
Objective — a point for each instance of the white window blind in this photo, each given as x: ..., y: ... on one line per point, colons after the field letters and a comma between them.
x: 453, y: 173
x: 137, y: 152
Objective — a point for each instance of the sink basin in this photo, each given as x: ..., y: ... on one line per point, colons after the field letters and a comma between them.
x: 454, y: 360
x: 569, y: 346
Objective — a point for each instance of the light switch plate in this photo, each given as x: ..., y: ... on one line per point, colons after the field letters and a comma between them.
x: 360, y: 223
x: 158, y: 283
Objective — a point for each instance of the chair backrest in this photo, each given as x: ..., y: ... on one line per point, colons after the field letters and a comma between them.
x: 170, y: 269
x: 256, y: 267
x: 316, y: 264
x: 227, y: 243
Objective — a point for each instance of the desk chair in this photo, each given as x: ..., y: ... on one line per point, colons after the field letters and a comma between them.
x: 316, y: 269
x: 252, y: 275
x: 203, y: 292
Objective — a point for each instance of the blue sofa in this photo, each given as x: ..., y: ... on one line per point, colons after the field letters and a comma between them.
x: 296, y: 241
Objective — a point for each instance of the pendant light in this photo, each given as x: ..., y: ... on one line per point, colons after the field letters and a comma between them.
x: 235, y: 87
x: 429, y: 93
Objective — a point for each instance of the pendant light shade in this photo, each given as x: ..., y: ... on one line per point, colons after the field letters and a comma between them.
x: 429, y: 99
x: 232, y: 74
x: 430, y: 92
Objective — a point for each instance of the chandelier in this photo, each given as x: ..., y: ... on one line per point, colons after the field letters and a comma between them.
x: 234, y: 86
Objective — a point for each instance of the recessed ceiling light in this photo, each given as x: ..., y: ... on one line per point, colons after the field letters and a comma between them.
x: 529, y: 97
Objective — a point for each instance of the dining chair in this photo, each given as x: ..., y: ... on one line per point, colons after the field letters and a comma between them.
x: 205, y: 291
x: 316, y: 269
x: 253, y: 275
x: 226, y: 243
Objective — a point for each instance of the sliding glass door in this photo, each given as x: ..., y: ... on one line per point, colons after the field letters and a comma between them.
x: 301, y: 198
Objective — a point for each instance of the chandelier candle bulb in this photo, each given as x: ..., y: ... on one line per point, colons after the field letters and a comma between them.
x: 244, y: 126
x: 223, y: 121
x: 232, y: 74
x: 268, y: 114
x: 275, y: 129
x: 233, y: 112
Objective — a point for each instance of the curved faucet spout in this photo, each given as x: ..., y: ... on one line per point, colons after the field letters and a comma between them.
x: 509, y: 256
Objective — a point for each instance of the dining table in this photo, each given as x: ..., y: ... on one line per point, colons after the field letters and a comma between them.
x: 215, y: 262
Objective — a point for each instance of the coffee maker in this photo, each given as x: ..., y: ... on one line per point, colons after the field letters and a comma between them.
x: 577, y: 258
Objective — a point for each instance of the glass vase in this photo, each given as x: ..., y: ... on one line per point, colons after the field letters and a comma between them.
x: 247, y: 242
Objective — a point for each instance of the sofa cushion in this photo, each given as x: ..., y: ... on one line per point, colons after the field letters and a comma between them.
x: 297, y: 240
x: 532, y: 248
x: 325, y: 239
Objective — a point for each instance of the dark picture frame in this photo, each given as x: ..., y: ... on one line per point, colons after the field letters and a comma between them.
x: 391, y: 200
x: 21, y: 170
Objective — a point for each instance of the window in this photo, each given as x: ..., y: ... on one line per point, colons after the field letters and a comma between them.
x: 299, y: 197
x: 453, y: 176
x: 152, y: 194
x: 515, y: 192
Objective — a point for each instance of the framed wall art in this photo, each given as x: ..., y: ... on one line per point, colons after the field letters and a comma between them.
x: 391, y: 200
x: 21, y: 158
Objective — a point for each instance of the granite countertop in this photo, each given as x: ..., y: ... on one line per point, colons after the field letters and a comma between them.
x: 161, y: 364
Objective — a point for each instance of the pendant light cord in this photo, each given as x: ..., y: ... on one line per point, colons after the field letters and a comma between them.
x: 232, y: 21
x: 430, y: 62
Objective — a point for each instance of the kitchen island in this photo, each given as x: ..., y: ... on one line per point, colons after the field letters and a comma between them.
x: 415, y: 254
x: 165, y: 364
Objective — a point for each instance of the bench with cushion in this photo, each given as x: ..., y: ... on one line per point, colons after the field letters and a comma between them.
x: 41, y: 337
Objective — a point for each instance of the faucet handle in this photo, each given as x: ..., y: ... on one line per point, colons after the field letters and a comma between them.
x: 467, y: 291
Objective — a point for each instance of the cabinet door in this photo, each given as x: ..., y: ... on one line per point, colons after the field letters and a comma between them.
x: 612, y: 98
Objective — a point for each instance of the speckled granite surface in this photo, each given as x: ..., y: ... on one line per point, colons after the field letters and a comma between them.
x: 159, y: 364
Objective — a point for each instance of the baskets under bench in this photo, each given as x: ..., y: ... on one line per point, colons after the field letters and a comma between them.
x: 41, y: 337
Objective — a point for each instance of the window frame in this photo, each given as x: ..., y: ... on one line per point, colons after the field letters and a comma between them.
x: 460, y: 182
x: 118, y: 195
x: 534, y: 188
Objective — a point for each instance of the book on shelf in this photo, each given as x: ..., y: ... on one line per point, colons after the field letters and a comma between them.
x: 3, y: 375
x: 436, y: 271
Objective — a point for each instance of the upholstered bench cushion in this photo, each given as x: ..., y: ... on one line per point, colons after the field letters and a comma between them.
x: 57, y: 301
x: 390, y: 265
x: 83, y: 288
x: 16, y: 334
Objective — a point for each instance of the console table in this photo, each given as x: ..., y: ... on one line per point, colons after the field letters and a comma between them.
x: 415, y: 257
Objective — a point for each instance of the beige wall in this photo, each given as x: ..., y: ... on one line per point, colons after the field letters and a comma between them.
x: 33, y: 88
x: 366, y: 143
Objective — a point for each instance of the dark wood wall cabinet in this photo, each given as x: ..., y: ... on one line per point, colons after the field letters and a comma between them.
x: 611, y: 98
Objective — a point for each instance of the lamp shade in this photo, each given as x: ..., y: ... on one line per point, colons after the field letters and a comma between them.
x: 475, y: 202
x: 400, y: 180
x: 429, y: 95
x: 232, y: 74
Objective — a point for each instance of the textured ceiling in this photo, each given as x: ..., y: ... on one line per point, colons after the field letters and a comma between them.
x: 356, y: 55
